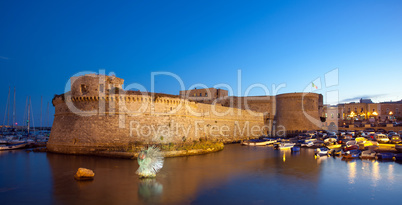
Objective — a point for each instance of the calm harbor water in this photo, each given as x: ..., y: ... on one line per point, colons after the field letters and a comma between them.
x: 236, y: 175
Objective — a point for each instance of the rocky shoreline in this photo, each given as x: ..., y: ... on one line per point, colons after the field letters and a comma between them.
x: 174, y: 151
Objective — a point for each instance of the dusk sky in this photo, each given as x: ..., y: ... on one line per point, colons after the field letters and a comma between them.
x: 293, y: 43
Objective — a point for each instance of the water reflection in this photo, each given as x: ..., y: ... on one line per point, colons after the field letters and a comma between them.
x: 352, y: 171
x: 149, y: 190
x: 391, y: 173
x: 284, y: 157
x: 180, y: 180
x: 376, y: 173
x: 238, y: 174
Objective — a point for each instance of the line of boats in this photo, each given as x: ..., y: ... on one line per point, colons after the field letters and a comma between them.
x: 359, y: 147
x: 20, y: 141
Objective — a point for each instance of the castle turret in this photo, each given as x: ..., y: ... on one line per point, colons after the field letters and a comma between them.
x: 298, y: 111
x: 94, y: 85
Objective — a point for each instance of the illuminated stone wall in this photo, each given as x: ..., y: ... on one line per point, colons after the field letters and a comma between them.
x: 88, y: 120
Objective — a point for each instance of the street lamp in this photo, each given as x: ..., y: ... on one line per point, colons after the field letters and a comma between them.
x: 390, y: 115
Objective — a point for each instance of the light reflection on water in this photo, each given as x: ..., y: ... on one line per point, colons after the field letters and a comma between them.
x: 352, y: 172
x: 236, y: 175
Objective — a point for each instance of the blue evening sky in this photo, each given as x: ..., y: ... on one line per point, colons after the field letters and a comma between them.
x: 287, y: 44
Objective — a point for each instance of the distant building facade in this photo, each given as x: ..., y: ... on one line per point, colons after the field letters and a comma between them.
x: 205, y: 95
x: 364, y: 113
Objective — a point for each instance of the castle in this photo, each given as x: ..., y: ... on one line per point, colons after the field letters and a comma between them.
x: 98, y: 114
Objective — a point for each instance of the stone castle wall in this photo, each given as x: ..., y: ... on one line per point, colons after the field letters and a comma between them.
x: 93, y: 121
x: 98, y: 114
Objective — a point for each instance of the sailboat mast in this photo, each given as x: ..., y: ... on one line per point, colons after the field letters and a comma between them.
x: 33, y: 118
x: 8, y: 106
x: 6, y: 111
x: 47, y: 115
x: 41, y: 113
x: 14, y: 109
x: 29, y: 106
x: 25, y: 112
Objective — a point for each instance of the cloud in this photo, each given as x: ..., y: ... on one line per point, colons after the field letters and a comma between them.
x: 357, y: 98
x: 3, y: 57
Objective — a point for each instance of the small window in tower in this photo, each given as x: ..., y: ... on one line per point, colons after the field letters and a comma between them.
x: 84, y: 89
x: 101, y: 88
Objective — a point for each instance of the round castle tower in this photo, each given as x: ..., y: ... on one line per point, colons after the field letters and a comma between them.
x: 298, y: 111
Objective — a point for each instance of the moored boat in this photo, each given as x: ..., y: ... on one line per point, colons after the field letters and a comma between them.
x: 351, y: 147
x: 307, y: 144
x: 368, y: 154
x: 398, y: 157
x: 384, y: 156
x: 398, y: 148
x: 13, y: 146
x: 284, y: 145
x: 258, y: 142
x: 295, y: 148
x: 321, y: 151
x: 351, y: 154
x: 335, y: 146
x: 337, y: 152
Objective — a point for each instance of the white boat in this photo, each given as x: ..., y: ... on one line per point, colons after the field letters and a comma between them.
x: 321, y: 151
x: 284, y: 145
x: 15, y: 141
x: 258, y: 142
x: 12, y: 146
x: 368, y: 154
x: 307, y: 144
x: 330, y: 140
